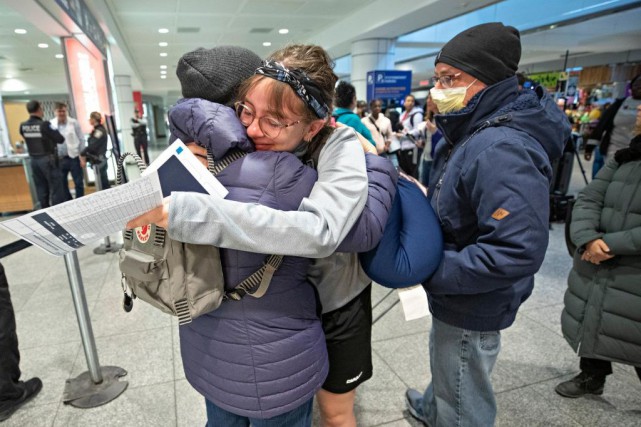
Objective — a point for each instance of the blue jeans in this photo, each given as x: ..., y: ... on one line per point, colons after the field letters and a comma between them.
x: 69, y: 165
x: 298, y: 417
x: 598, y: 163
x: 461, y: 362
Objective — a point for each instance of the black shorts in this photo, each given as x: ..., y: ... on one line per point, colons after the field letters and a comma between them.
x: 348, y: 333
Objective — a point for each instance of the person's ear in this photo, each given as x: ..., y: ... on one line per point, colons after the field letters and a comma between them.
x: 314, y: 128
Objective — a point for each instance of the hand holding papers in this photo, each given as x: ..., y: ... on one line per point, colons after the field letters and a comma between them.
x: 68, y: 226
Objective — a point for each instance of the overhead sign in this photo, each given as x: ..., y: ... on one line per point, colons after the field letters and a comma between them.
x: 84, y: 19
x: 388, y: 84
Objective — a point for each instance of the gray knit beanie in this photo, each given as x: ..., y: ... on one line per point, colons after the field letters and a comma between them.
x: 490, y: 52
x: 215, y: 74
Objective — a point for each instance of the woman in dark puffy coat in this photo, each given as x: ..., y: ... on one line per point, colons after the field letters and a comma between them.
x: 602, y: 315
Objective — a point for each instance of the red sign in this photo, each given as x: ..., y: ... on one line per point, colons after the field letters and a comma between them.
x: 88, y: 82
x: 138, y: 100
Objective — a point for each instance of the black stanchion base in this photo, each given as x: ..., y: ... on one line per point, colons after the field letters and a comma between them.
x: 82, y: 392
x: 103, y: 249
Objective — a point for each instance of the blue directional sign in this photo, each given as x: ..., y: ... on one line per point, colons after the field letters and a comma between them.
x: 388, y: 84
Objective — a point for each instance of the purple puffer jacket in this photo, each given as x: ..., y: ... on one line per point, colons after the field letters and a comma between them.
x: 255, y: 357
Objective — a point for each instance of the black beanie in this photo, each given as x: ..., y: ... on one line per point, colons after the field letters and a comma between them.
x: 215, y: 74
x: 489, y: 52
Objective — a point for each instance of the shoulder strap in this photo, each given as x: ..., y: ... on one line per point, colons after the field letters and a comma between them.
x: 217, y: 166
x: 374, y: 123
x: 257, y: 284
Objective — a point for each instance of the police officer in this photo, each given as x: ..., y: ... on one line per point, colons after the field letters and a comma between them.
x: 139, y: 132
x: 96, y: 149
x: 41, y: 142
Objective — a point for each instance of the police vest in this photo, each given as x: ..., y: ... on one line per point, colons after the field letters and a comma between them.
x: 32, y: 133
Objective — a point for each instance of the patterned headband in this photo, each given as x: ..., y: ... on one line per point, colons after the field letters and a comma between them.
x: 304, y: 87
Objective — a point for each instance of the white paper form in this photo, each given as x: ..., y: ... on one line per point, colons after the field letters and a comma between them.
x: 70, y: 225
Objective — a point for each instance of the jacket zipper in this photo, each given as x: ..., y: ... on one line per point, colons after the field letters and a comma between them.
x: 451, y: 151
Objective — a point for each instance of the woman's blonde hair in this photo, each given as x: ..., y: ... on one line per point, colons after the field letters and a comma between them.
x: 96, y: 116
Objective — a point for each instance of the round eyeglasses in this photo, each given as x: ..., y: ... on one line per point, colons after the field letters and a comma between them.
x: 445, y: 81
x: 268, y: 125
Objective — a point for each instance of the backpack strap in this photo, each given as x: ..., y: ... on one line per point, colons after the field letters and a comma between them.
x: 257, y: 284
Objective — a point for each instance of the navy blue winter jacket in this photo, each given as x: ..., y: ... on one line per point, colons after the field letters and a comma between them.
x: 489, y: 187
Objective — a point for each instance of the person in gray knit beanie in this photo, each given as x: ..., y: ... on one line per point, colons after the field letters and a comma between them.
x: 215, y: 74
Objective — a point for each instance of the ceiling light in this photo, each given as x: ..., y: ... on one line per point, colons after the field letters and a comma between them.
x: 26, y: 92
x: 8, y: 76
x: 43, y: 45
x: 163, y: 54
x: 163, y: 30
x: 163, y: 44
x: 59, y: 55
x: 163, y: 67
x: 163, y: 71
x: 267, y: 44
x: 163, y: 76
x: 20, y: 31
x: 283, y: 31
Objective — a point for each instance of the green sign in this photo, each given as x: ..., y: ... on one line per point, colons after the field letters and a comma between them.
x: 545, y: 79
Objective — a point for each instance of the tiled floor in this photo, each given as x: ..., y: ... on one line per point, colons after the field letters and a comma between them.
x: 534, y: 356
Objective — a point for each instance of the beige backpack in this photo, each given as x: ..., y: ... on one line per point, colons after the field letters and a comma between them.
x: 181, y: 279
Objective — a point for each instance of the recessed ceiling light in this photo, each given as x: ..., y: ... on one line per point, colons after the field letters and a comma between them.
x: 283, y: 31
x: 267, y: 44
x: 59, y: 55
x: 163, y: 30
x: 20, y: 31
x: 43, y: 45
x: 163, y: 44
x: 163, y: 71
x: 163, y: 76
x: 26, y: 92
x: 163, y: 54
x: 163, y: 67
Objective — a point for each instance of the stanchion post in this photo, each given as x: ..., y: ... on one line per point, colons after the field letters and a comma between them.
x: 82, y: 314
x: 98, y: 385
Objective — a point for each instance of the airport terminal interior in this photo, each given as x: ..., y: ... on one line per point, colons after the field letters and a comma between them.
x: 117, y: 56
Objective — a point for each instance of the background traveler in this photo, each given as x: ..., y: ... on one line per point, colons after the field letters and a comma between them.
x: 69, y: 151
x: 139, y: 132
x: 379, y: 126
x: 615, y: 127
x: 603, y: 299
x: 344, y: 111
x: 411, y: 148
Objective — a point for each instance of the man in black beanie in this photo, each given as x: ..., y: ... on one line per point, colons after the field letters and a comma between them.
x: 489, y: 185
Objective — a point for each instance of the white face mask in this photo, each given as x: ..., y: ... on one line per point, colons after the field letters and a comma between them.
x: 448, y: 100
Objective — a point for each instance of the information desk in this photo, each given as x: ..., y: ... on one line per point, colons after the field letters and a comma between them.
x: 16, y: 190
